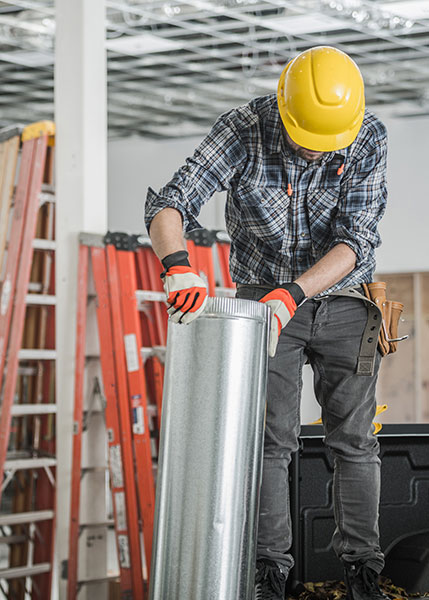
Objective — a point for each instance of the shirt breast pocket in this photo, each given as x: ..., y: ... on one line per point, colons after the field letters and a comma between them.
x: 322, y: 206
x: 264, y: 211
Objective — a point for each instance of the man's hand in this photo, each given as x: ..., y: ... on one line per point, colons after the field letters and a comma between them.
x: 186, y: 293
x: 283, y: 304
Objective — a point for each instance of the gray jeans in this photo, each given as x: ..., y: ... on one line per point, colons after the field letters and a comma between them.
x: 327, y: 333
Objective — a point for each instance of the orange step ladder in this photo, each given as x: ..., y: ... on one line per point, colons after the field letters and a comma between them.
x: 132, y: 329
x: 113, y: 268
x: 26, y: 373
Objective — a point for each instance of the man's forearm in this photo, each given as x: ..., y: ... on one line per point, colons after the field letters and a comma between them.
x: 330, y: 269
x: 166, y: 232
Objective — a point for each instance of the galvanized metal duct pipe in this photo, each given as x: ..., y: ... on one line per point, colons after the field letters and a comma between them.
x: 211, y: 454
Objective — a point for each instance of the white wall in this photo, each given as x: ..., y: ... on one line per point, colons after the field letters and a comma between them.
x: 404, y: 228
x: 135, y: 164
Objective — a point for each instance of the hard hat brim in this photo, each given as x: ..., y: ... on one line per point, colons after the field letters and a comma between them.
x: 321, y: 143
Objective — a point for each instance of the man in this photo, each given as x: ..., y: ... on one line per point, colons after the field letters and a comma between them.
x: 305, y: 174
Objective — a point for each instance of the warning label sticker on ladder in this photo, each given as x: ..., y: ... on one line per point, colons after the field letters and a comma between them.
x: 116, y: 466
x: 131, y: 352
x: 124, y: 551
x: 121, y: 517
x: 138, y: 420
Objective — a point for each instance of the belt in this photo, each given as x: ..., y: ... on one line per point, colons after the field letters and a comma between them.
x: 369, y: 343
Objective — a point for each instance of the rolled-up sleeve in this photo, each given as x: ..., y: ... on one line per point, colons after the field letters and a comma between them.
x: 363, y: 202
x: 211, y: 168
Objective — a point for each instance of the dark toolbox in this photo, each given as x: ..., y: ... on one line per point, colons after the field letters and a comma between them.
x: 404, y: 507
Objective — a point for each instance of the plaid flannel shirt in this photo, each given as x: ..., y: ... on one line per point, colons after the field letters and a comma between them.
x: 283, y: 213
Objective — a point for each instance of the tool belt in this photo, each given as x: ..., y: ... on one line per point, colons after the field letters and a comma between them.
x: 381, y: 329
x: 391, y: 312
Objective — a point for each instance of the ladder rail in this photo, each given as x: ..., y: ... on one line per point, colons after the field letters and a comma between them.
x: 14, y: 249
x: 126, y: 270
x: 10, y: 149
x: 223, y: 251
x: 121, y: 459
x: 82, y: 293
x: 44, y: 424
x: 22, y: 279
x: 17, y: 572
x: 149, y: 310
x: 28, y: 328
x: 201, y: 258
x: 148, y: 268
x: 149, y: 272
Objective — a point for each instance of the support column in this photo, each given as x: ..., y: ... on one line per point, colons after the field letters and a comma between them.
x: 81, y: 169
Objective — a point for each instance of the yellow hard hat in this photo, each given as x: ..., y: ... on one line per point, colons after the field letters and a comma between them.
x: 321, y: 99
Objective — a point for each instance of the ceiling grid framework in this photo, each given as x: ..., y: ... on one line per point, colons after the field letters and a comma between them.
x: 174, y: 66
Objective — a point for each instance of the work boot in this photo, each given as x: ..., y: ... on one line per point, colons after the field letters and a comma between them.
x: 270, y: 582
x: 362, y: 583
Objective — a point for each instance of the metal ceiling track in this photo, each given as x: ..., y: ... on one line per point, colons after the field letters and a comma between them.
x: 174, y: 67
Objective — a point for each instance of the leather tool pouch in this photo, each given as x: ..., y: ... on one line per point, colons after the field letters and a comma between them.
x: 390, y: 312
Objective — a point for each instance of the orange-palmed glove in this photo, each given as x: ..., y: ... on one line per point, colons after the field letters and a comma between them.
x: 186, y: 291
x: 283, y: 304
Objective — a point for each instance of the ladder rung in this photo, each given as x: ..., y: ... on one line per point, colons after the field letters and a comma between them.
x: 34, y: 286
x: 18, y: 464
x: 109, y: 523
x: 146, y: 352
x: 37, y: 354
x: 158, y: 351
x: 45, y: 197
x: 144, y: 296
x: 40, y: 244
x: 151, y: 410
x: 98, y: 469
x: 19, y: 410
x: 13, y: 539
x: 15, y: 572
x: 40, y: 299
x: 148, y: 296
x: 99, y: 579
x: 26, y: 517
